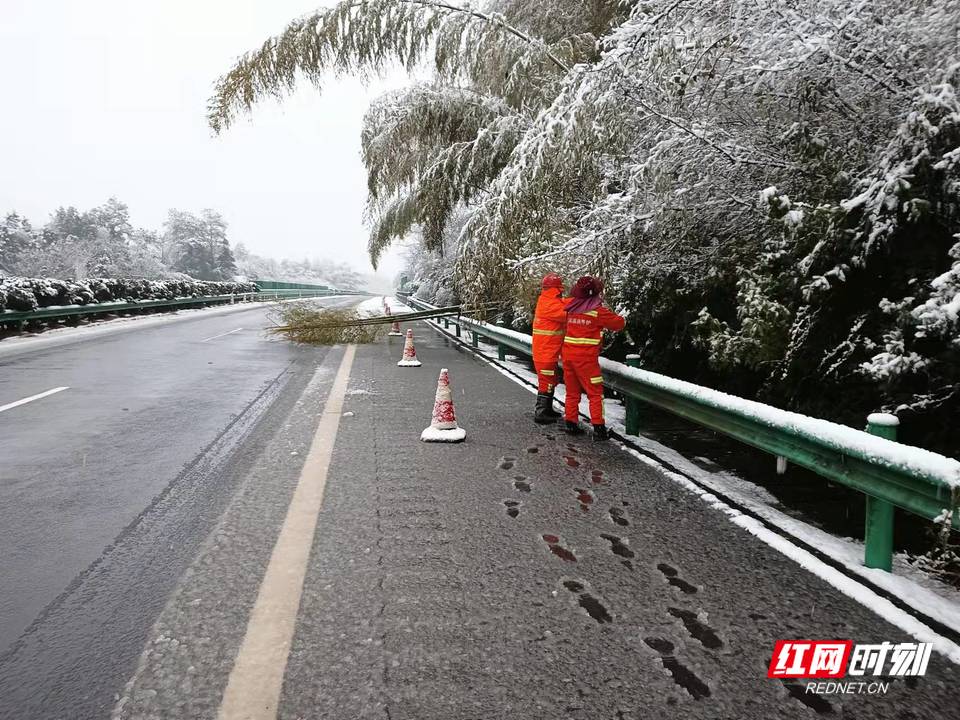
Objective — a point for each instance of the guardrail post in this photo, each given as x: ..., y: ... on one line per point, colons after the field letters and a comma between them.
x: 501, y: 351
x: 458, y: 329
x: 446, y: 324
x: 632, y: 422
x: 878, y: 537
x: 476, y: 339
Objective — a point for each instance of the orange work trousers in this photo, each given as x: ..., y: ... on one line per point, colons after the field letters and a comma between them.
x: 581, y: 372
x: 546, y: 354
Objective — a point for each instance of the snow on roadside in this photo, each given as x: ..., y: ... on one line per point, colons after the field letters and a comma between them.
x: 371, y: 307
x: 922, y: 592
x: 845, y: 584
x: 911, y: 585
x: 397, y: 306
x: 892, y: 454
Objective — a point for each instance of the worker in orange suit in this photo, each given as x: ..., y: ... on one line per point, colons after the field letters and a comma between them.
x: 587, y: 318
x: 549, y: 320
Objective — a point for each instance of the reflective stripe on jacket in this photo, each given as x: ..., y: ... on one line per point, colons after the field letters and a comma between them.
x: 585, y: 330
x: 549, y: 321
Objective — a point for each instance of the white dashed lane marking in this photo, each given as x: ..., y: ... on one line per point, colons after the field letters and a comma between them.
x: 38, y: 396
x: 221, y: 335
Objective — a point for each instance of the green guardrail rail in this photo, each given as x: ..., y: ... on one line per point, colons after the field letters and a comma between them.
x: 872, y: 462
x: 282, y: 285
x: 65, y: 312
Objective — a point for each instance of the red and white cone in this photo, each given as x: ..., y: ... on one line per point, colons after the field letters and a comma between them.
x: 409, y: 358
x: 443, y: 427
x: 395, y: 329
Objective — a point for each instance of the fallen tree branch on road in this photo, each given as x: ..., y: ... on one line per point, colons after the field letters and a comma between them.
x: 334, y: 326
x: 302, y: 324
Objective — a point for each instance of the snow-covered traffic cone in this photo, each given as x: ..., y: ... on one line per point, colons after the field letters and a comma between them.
x: 395, y: 328
x: 443, y: 427
x: 409, y: 358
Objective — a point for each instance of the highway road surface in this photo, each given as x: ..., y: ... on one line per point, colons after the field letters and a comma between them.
x: 207, y: 524
x: 108, y: 486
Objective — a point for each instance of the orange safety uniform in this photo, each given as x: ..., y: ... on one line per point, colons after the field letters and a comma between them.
x: 581, y: 360
x: 549, y: 320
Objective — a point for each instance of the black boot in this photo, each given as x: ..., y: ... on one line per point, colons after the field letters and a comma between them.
x: 600, y: 433
x: 572, y: 428
x: 541, y: 412
x: 553, y: 413
x: 544, y: 413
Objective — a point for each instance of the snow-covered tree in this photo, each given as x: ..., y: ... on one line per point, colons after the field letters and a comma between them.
x: 198, y: 245
x: 770, y: 189
x: 16, y: 238
x: 432, y: 148
x: 80, y: 244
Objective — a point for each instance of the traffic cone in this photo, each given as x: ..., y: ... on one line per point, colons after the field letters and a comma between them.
x: 395, y: 329
x: 443, y: 426
x: 409, y: 358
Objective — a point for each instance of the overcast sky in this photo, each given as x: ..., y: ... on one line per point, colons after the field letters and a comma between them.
x: 107, y: 98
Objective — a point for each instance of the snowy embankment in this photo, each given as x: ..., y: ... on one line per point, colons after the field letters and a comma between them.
x: 20, y: 294
x: 914, y: 587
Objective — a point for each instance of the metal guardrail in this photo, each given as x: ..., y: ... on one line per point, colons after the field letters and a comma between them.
x: 887, y: 472
x: 64, y: 312
x: 281, y: 293
x: 265, y: 284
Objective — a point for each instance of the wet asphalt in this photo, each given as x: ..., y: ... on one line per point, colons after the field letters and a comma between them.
x: 521, y: 574
x: 107, y: 489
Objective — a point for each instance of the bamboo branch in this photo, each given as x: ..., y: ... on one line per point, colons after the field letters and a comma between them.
x: 495, y: 20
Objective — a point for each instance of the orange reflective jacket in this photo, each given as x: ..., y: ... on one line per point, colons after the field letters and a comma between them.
x: 549, y: 320
x: 585, y: 330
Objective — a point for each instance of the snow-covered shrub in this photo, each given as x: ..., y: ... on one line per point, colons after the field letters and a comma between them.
x: 28, y: 294
x: 20, y: 299
x: 759, y: 339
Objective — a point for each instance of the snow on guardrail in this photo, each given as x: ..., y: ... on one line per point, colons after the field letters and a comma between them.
x: 892, y: 454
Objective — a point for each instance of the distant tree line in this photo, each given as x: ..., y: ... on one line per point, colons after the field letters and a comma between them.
x: 102, y: 243
x: 313, y: 271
